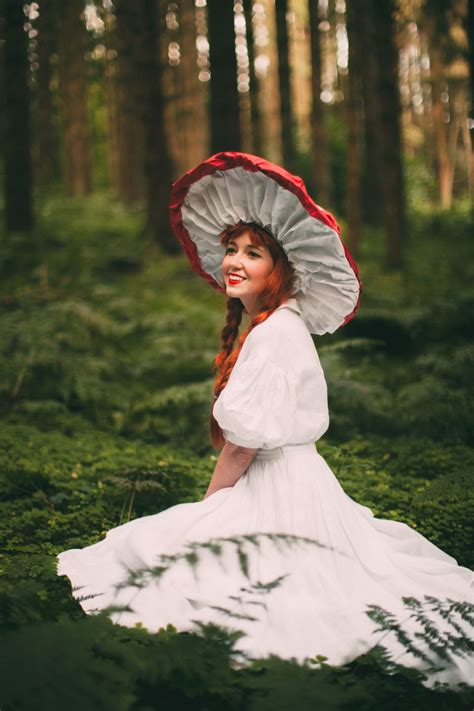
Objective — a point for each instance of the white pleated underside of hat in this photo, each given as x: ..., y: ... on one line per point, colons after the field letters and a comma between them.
x: 327, y: 289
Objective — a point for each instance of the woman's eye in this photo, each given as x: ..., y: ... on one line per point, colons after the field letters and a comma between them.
x: 231, y: 249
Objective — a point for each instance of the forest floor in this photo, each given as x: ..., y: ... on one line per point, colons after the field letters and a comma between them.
x: 106, y: 347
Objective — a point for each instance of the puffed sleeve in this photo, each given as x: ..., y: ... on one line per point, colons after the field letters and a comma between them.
x: 256, y: 407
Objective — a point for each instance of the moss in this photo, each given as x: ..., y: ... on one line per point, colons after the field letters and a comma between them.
x: 106, y: 347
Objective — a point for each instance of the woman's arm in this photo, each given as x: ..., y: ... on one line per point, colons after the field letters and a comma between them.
x: 232, y: 463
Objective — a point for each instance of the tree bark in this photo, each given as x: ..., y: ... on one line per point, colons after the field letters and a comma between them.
x: 269, y: 91
x: 111, y: 96
x: 319, y: 134
x: 372, y: 193
x: 389, y: 130
x: 158, y: 169
x: 445, y: 168
x: 470, y: 39
x: 18, y: 164
x: 130, y: 151
x: 224, y: 100
x: 284, y: 82
x: 191, y: 104
x: 437, y: 20
x: 47, y: 162
x: 255, y: 113
x: 3, y: 100
x: 354, y: 125
x: 76, y: 149
x: 468, y: 135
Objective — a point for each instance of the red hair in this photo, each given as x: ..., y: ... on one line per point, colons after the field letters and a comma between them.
x: 279, y: 288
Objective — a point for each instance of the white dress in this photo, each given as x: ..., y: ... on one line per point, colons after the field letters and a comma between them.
x: 304, y: 591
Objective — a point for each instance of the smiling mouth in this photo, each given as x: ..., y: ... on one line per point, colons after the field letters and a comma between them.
x: 233, y: 279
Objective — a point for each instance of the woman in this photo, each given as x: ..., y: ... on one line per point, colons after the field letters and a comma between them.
x: 280, y: 551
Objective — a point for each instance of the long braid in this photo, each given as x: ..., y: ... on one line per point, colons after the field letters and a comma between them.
x: 279, y: 288
x: 230, y: 331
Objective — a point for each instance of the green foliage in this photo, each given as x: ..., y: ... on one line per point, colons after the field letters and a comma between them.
x: 60, y: 491
x: 105, y: 396
x: 414, y: 481
x: 93, y: 664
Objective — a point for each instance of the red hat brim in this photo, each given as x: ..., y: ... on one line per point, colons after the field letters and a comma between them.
x: 227, y: 160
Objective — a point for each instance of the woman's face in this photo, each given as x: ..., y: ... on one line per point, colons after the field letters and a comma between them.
x: 251, y: 264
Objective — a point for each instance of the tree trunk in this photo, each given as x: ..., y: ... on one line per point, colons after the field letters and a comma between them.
x: 224, y: 103
x: 111, y: 96
x: 47, y: 158
x: 255, y: 113
x: 18, y: 167
x: 76, y: 149
x: 319, y: 134
x: 389, y: 129
x: 469, y: 153
x: 470, y: 39
x: 372, y: 193
x: 158, y: 167
x: 354, y: 125
x: 3, y: 100
x: 468, y: 135
x: 191, y: 93
x: 130, y: 152
x: 445, y: 162
x: 269, y: 92
x: 284, y: 82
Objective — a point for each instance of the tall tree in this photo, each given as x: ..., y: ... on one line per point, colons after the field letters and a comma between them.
x: 111, y: 95
x: 3, y: 104
x: 470, y: 40
x: 191, y: 104
x: 354, y: 10
x: 441, y: 21
x: 445, y: 157
x: 18, y: 166
x: 319, y: 134
x: 76, y: 149
x: 389, y: 130
x: 46, y: 168
x: 130, y: 153
x: 224, y: 101
x: 372, y: 192
x: 158, y: 169
x: 284, y: 82
x: 255, y: 113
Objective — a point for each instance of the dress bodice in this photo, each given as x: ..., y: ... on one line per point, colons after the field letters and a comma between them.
x: 276, y: 393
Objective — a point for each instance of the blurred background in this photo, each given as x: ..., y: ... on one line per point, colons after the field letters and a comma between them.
x: 107, y: 337
x: 368, y: 101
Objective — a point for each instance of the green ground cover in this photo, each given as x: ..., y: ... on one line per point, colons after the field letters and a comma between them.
x: 105, y: 353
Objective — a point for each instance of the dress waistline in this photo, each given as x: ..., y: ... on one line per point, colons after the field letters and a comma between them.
x: 285, y: 449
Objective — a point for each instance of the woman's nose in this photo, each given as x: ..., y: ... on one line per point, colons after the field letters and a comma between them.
x: 235, y: 260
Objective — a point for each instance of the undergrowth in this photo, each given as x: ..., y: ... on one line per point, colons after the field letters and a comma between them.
x: 106, y: 347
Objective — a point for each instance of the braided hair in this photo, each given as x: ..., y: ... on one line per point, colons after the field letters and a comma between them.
x: 278, y: 289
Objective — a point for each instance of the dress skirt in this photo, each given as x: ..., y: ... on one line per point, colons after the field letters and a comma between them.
x: 288, y: 558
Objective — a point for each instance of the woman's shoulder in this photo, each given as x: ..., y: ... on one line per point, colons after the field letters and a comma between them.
x: 284, y: 321
x: 283, y: 336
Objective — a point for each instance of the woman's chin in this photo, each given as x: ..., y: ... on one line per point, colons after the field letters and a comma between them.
x: 233, y: 291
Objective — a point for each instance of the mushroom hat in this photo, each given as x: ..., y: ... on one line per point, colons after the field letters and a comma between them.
x: 232, y: 187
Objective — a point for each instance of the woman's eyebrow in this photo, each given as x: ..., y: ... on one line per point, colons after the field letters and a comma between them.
x: 231, y: 241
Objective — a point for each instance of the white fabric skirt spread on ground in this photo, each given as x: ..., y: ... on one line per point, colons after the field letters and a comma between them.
x: 302, y: 592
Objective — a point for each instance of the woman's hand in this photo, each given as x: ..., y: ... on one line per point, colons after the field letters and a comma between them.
x: 233, y: 461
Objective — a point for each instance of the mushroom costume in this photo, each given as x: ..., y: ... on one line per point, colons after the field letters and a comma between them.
x: 284, y: 555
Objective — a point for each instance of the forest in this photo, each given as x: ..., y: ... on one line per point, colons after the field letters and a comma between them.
x: 107, y: 337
